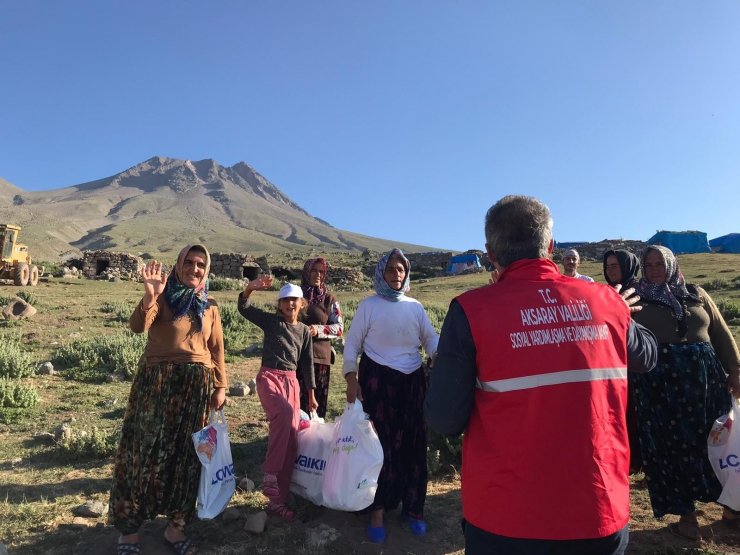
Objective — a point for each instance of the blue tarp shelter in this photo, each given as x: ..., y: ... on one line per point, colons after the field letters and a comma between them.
x: 726, y: 243
x: 462, y: 262
x: 681, y: 242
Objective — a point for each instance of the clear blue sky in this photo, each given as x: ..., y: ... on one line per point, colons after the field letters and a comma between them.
x: 402, y: 120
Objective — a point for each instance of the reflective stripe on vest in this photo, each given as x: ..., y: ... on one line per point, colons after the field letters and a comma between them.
x: 554, y: 378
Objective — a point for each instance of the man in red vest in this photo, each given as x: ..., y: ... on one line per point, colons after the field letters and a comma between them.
x: 533, y: 368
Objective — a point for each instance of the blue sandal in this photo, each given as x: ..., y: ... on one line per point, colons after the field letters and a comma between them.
x: 417, y: 526
x: 376, y: 534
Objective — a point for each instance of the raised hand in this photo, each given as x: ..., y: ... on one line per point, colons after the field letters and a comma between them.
x: 630, y: 297
x: 154, y: 281
x: 263, y: 281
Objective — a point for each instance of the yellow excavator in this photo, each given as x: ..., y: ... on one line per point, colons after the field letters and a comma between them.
x: 15, y: 263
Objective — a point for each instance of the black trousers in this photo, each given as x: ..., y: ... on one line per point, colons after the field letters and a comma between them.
x: 480, y: 542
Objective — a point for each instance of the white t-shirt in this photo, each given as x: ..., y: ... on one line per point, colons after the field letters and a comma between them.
x: 390, y: 333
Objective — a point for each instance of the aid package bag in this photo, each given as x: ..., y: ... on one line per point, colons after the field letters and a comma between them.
x: 314, y: 444
x: 723, y: 448
x: 354, y: 462
x: 217, y: 483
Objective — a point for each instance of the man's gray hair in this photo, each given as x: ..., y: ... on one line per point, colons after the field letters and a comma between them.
x: 518, y: 227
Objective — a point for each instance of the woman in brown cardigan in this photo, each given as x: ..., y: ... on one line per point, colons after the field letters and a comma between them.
x: 678, y: 401
x: 324, y: 319
x: 181, y: 374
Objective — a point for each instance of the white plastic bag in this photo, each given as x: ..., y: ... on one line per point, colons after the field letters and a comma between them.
x: 354, y: 463
x: 723, y: 447
x: 314, y: 444
x: 217, y: 482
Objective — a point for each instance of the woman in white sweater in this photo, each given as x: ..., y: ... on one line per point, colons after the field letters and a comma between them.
x: 386, y: 333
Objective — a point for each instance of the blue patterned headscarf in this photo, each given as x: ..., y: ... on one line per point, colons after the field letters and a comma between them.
x: 381, y: 286
x: 182, y: 299
x: 672, y: 292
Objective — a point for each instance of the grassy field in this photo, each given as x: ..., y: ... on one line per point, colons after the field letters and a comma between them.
x: 42, y: 482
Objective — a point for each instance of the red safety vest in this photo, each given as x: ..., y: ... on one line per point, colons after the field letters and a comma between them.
x: 545, y: 454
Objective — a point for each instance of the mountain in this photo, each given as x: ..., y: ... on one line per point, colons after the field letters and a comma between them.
x: 161, y: 204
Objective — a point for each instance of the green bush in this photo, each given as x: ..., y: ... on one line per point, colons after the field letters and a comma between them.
x: 5, y: 300
x: 15, y: 395
x: 238, y: 331
x: 27, y: 296
x: 84, y: 445
x: 121, y: 310
x: 443, y: 454
x: 225, y: 284
x: 14, y: 361
x: 437, y: 313
x: 728, y: 309
x: 93, y: 359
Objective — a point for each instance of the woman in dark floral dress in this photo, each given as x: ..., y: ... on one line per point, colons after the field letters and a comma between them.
x: 677, y: 403
x: 324, y: 319
x: 181, y: 373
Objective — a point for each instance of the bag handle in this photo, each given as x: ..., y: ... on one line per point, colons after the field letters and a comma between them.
x: 217, y: 416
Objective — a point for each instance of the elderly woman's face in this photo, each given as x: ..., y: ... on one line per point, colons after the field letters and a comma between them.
x: 193, y: 269
x: 395, y: 273
x: 655, y: 269
x: 316, y: 275
x: 613, y: 269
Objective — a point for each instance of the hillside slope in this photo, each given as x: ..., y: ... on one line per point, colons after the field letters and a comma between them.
x: 162, y: 203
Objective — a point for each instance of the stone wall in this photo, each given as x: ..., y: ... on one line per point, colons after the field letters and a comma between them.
x: 234, y: 265
x: 108, y: 264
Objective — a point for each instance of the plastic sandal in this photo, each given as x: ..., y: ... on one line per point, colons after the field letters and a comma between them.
x: 270, y: 486
x: 183, y: 547
x: 128, y: 549
x: 417, y: 526
x: 281, y: 510
x: 376, y: 534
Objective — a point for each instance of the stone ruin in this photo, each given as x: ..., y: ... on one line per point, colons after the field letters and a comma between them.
x: 235, y: 266
x: 111, y: 265
x: 595, y: 251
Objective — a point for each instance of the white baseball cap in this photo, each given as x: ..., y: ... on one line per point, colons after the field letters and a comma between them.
x: 290, y: 290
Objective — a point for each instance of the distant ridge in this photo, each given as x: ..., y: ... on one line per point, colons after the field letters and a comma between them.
x: 161, y: 204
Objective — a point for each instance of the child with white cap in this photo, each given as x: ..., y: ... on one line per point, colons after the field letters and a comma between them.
x: 286, y: 349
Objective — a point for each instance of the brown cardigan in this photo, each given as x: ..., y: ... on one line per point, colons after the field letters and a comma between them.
x: 704, y: 324
x: 179, y: 340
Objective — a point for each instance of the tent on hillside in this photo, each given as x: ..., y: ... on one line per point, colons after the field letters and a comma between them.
x: 726, y: 243
x: 463, y: 262
x: 681, y: 242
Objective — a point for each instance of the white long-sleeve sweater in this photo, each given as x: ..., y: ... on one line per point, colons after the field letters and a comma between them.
x: 390, y: 333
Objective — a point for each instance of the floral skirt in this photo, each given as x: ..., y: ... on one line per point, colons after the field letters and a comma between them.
x: 156, y: 469
x: 395, y: 403
x: 321, y: 375
x: 677, y: 403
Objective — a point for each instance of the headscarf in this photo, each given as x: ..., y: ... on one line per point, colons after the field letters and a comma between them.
x: 312, y: 293
x: 381, y: 286
x: 182, y: 299
x: 629, y: 264
x: 672, y: 292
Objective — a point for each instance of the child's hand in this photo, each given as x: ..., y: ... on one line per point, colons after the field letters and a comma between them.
x: 312, y: 403
x: 263, y: 281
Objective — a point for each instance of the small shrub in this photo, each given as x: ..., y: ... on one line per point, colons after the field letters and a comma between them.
x: 437, y: 315
x: 121, y: 310
x: 716, y: 284
x: 443, y: 453
x: 225, y: 284
x: 92, y: 359
x: 84, y: 445
x: 728, y: 309
x: 5, y: 300
x: 238, y: 331
x: 29, y: 297
x: 14, y: 361
x: 15, y: 395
